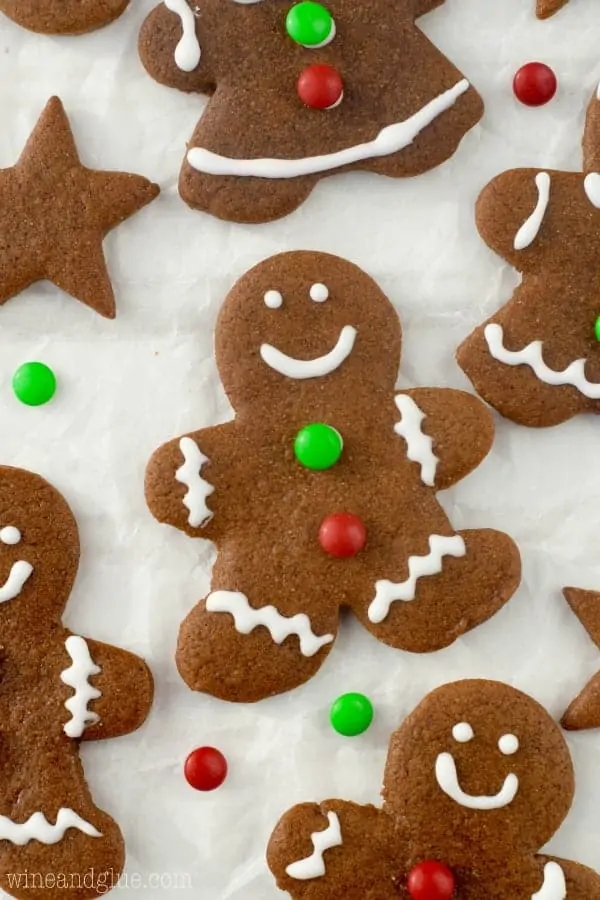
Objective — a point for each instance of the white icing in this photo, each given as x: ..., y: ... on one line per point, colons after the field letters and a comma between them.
x: 388, y: 592
x: 187, y: 51
x: 38, y: 828
x: 591, y: 186
x: 319, y: 292
x: 10, y: 535
x: 273, y: 299
x: 328, y: 39
x: 280, y: 627
x: 508, y: 744
x: 77, y: 677
x: 554, y: 886
x: 447, y: 779
x: 419, y: 445
x: 390, y: 139
x: 311, y: 368
x: 314, y: 865
x: 18, y: 575
x: 530, y: 229
x: 198, y: 489
x: 531, y: 355
x: 463, y: 733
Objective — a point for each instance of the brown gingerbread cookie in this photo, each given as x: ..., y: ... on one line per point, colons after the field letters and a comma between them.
x: 55, y: 212
x: 547, y: 8
x: 478, y: 779
x: 537, y: 361
x: 300, y: 91
x: 320, y: 493
x: 56, y: 689
x: 63, y: 16
x: 584, y: 711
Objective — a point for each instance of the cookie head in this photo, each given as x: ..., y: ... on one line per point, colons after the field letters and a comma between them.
x: 479, y: 763
x: 39, y: 548
x: 300, y: 324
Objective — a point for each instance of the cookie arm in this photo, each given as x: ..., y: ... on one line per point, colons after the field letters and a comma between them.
x: 447, y: 432
x: 165, y: 44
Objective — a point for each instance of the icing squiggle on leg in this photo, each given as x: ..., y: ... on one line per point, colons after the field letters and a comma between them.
x: 38, y: 828
x: 314, y: 865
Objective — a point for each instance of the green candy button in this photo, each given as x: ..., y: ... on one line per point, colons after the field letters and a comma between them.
x: 310, y: 24
x: 34, y: 383
x: 318, y: 446
x: 351, y: 714
x: 597, y: 329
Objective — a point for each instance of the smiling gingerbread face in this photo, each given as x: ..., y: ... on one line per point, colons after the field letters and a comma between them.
x: 301, y: 321
x: 489, y: 767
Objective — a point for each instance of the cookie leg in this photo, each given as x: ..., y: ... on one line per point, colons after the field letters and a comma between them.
x: 475, y: 576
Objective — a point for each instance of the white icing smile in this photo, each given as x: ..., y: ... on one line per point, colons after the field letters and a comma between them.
x: 311, y: 368
x: 447, y: 779
x: 18, y: 575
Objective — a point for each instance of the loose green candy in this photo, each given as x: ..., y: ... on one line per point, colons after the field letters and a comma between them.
x: 351, y: 714
x: 318, y: 446
x: 309, y: 24
x: 34, y: 383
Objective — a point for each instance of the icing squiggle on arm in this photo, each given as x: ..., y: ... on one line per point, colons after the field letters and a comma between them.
x: 77, y: 677
x: 418, y: 444
x: 187, y: 51
x: 314, y: 865
x: 38, y: 828
x: 246, y: 619
x: 530, y: 229
x: 591, y: 186
x: 554, y: 886
x: 198, y: 489
x: 388, y: 592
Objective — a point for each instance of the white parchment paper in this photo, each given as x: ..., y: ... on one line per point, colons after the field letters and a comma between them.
x: 126, y: 386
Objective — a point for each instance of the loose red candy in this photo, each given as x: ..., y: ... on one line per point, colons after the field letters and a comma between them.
x: 535, y: 84
x: 205, y: 769
x: 342, y: 534
x: 320, y: 86
x: 430, y: 880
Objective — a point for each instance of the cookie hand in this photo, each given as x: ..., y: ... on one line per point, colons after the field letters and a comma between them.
x: 170, y: 49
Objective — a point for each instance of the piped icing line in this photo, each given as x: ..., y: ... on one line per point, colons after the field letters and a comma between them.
x: 247, y: 618
x: 198, y: 488
x: 38, y: 828
x: 77, y: 677
x: 530, y: 229
x: 591, y: 186
x: 311, y: 368
x: 388, y: 592
x: 18, y: 575
x: 531, y: 355
x: 313, y: 866
x: 447, y: 779
x: 390, y: 139
x: 554, y: 886
x: 419, y: 445
x: 187, y: 51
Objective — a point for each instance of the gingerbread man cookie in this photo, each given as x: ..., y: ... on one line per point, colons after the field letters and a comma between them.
x: 537, y: 361
x: 321, y: 492
x: 478, y: 779
x: 300, y: 91
x: 56, y: 689
x: 63, y: 16
x: 584, y: 711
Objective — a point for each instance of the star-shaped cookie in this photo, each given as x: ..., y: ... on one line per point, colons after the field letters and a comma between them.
x: 584, y: 711
x: 55, y: 212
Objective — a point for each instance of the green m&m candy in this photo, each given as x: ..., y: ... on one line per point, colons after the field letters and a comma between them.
x: 310, y: 24
x: 318, y: 446
x: 34, y: 383
x: 597, y: 329
x: 351, y: 714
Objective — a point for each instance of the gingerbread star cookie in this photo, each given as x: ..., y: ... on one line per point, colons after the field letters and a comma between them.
x: 63, y: 16
x: 55, y: 212
x: 584, y: 711
x: 300, y: 91
x: 478, y: 779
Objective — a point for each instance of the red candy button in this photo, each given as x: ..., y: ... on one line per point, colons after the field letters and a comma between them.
x: 535, y: 84
x: 320, y: 87
x: 342, y: 534
x: 205, y: 769
x: 430, y: 880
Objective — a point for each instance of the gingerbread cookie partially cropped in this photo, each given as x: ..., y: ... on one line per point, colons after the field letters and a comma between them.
x: 63, y: 16
x: 56, y: 689
x: 300, y: 91
x: 478, y: 779
x: 321, y: 492
x: 584, y: 711
x: 547, y: 8
x: 537, y: 361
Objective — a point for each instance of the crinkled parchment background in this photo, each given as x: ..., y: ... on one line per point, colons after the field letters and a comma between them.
x: 128, y: 385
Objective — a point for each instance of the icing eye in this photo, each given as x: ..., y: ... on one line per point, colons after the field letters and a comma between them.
x: 273, y: 299
x: 463, y: 733
x: 10, y: 535
x: 508, y: 744
x: 319, y: 293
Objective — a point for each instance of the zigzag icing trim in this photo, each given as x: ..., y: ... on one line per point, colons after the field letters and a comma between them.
x: 313, y: 866
x: 419, y: 446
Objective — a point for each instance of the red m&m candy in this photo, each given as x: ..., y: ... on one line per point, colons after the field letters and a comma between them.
x: 320, y: 87
x: 205, y: 769
x: 535, y: 84
x: 430, y: 880
x: 342, y: 534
